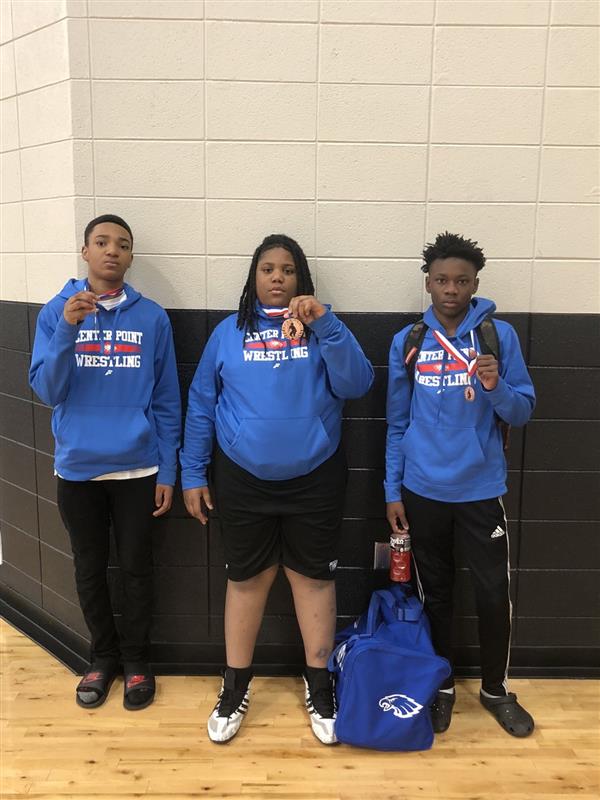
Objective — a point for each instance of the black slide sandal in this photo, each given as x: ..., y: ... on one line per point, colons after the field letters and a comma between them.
x: 95, y: 681
x: 139, y: 689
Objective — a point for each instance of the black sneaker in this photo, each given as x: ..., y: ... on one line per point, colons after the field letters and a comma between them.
x: 229, y: 712
x: 441, y: 711
x: 321, y: 705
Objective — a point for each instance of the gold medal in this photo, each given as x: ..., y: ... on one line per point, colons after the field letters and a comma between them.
x: 469, y: 393
x: 292, y: 329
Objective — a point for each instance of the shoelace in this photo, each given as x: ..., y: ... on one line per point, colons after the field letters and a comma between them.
x: 230, y: 701
x: 323, y: 701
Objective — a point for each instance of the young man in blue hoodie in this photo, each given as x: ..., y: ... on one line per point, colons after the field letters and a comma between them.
x: 445, y: 465
x: 270, y: 387
x: 103, y: 358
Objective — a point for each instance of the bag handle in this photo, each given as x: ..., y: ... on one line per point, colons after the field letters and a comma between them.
x: 396, y: 605
x: 339, y: 653
x: 408, y: 606
x: 375, y: 606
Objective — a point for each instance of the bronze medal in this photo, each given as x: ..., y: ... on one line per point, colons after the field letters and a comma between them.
x: 469, y: 393
x: 292, y: 329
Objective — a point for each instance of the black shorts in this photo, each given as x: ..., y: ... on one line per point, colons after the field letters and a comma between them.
x: 295, y: 522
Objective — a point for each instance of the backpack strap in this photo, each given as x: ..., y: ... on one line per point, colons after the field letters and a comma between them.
x: 412, y: 347
x: 487, y: 333
x: 489, y: 342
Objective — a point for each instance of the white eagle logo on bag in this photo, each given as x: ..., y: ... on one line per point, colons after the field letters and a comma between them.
x: 401, y: 705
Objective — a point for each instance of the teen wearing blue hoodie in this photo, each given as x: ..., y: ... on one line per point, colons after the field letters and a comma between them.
x: 103, y: 358
x: 445, y: 465
x: 270, y: 388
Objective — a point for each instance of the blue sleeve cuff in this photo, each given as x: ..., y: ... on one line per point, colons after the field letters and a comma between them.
x: 65, y: 329
x: 393, y: 494
x: 193, y: 481
x: 325, y: 325
x: 166, y: 476
x: 499, y: 394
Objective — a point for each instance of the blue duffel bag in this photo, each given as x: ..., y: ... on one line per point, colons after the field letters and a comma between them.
x: 387, y: 675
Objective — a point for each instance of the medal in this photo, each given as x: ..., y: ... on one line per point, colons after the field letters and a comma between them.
x: 469, y: 364
x: 292, y: 329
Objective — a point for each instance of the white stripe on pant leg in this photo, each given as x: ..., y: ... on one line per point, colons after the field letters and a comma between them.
x: 505, y: 681
x: 419, y: 584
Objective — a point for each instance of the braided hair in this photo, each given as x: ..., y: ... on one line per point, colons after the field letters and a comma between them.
x: 451, y: 245
x: 247, y: 315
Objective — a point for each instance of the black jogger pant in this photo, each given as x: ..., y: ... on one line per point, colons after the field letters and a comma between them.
x: 481, y: 528
x: 87, y: 509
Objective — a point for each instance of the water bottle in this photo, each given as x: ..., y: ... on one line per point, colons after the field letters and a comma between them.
x: 400, y: 558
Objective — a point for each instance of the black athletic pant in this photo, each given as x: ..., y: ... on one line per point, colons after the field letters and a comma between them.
x: 87, y: 509
x: 481, y: 527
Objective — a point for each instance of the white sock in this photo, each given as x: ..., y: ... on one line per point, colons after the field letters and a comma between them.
x: 447, y: 691
x: 487, y: 694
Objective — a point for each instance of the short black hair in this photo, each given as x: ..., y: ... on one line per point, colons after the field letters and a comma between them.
x: 247, y: 317
x: 105, y: 218
x: 452, y: 245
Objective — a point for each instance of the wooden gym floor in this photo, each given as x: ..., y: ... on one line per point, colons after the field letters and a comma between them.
x: 51, y: 748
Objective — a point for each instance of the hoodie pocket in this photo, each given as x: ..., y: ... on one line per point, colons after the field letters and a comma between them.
x: 443, y: 455
x: 104, y: 435
x: 279, y: 449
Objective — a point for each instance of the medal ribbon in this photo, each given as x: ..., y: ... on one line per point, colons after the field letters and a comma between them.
x: 275, y: 312
x: 471, y: 365
x: 112, y: 295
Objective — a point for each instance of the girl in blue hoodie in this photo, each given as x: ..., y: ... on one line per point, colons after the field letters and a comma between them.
x: 445, y: 465
x: 103, y: 358
x: 270, y: 388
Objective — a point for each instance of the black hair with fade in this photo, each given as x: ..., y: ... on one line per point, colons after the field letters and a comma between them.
x: 247, y: 316
x: 451, y: 245
x: 105, y: 218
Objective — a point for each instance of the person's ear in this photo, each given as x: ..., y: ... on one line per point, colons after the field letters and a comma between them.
x: 476, y: 285
x: 427, y: 285
x: 85, y: 253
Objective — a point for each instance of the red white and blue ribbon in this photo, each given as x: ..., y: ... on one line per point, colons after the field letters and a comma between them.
x: 112, y: 295
x: 276, y: 312
x: 469, y: 363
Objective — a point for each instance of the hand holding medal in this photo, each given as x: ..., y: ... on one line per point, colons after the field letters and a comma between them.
x: 487, y: 371
x: 78, y: 306
x: 302, y: 309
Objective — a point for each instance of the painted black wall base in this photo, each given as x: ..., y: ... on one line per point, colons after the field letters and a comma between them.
x: 58, y: 640
x: 45, y: 630
x: 553, y: 508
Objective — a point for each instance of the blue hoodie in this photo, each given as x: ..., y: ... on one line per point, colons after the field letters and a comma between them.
x: 275, y: 405
x: 112, y: 381
x: 439, y: 445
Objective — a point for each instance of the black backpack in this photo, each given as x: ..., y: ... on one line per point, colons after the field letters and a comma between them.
x: 487, y: 333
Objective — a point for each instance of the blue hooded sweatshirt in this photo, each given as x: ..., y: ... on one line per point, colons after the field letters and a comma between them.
x: 112, y: 381
x: 439, y: 445
x: 275, y: 404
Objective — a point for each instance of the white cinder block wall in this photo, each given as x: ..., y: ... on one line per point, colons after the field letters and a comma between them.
x: 360, y: 127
